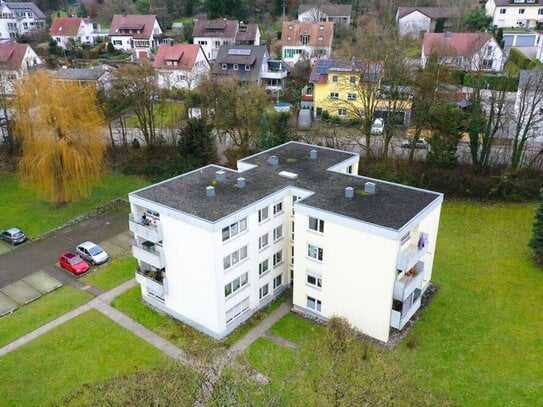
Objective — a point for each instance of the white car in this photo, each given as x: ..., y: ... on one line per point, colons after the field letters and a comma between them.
x: 378, y: 126
x: 92, y: 252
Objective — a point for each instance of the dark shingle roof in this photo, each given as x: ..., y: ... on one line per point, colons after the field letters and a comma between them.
x: 26, y: 6
x: 242, y: 55
x: 392, y: 206
x: 215, y: 28
x: 432, y: 12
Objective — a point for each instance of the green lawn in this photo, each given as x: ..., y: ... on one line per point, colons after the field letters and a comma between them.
x: 87, y: 349
x: 39, y: 312
x: 22, y: 208
x: 169, y: 114
x: 187, y: 338
x: 112, y: 274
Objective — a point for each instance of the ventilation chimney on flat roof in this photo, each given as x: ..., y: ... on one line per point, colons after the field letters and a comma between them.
x: 220, y: 176
x: 313, y: 154
x: 241, y: 182
x: 349, y: 192
x: 210, y: 191
x: 369, y: 187
x: 273, y: 160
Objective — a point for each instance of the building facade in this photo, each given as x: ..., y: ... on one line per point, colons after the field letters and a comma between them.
x: 181, y: 66
x: 16, y: 60
x: 17, y: 19
x: 215, y: 245
x: 79, y: 30
x: 334, y: 13
x: 137, y: 33
x: 515, y: 13
x: 306, y: 40
x: 415, y: 21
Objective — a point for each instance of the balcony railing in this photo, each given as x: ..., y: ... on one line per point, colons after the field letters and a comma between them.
x: 152, y: 280
x: 410, y: 256
x: 152, y: 231
x: 409, y: 282
x: 149, y: 252
x: 398, y: 319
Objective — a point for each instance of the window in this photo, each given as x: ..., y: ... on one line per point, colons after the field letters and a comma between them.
x: 305, y: 39
x: 292, y: 231
x: 350, y: 169
x: 314, y: 252
x: 202, y: 42
x: 236, y: 67
x: 335, y: 79
x: 314, y: 280
x: 237, y: 310
x: 247, y: 67
x: 277, y: 233
x: 289, y: 38
x: 352, y: 80
x: 294, y: 199
x: 236, y: 284
x: 217, y: 43
x: 321, y: 38
x: 334, y: 95
x: 351, y: 96
x: 224, y: 66
x: 263, y: 241
x: 521, y: 10
x: 314, y: 304
x: 278, y: 208
x: 292, y: 255
x: 263, y: 267
x: 540, y: 11
x: 117, y: 42
x: 263, y: 214
x: 277, y: 258
x: 503, y: 11
x: 235, y: 228
x: 277, y: 281
x: 316, y: 224
x: 234, y: 258
x: 321, y: 27
x: 342, y: 112
x: 487, y: 63
x: 264, y: 291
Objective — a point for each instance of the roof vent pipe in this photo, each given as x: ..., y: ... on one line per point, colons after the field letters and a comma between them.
x: 349, y: 192
x: 273, y: 160
x: 369, y: 187
x: 241, y: 182
x: 220, y: 176
x: 313, y: 154
x: 210, y: 191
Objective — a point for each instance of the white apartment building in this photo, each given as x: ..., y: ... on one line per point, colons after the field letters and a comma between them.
x: 515, y: 13
x: 216, y: 245
x: 17, y: 19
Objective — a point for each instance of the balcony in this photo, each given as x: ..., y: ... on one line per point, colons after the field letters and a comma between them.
x: 153, y: 280
x: 402, y: 313
x: 410, y: 256
x: 151, y: 231
x: 409, y: 282
x: 149, y: 252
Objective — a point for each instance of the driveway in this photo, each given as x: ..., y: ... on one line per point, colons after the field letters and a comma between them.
x: 30, y: 257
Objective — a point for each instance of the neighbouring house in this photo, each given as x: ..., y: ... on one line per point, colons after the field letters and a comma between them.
x: 16, y: 60
x: 529, y: 104
x: 526, y: 40
x: 140, y: 34
x: 73, y: 29
x: 181, y: 66
x: 515, y: 13
x: 309, y: 40
x: 17, y: 19
x: 335, y: 13
x: 216, y: 244
x: 416, y: 21
x: 467, y: 51
x: 250, y: 63
x: 212, y: 34
x: 99, y: 76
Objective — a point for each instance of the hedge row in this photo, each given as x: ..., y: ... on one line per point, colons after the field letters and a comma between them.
x: 519, y: 59
x: 492, y: 82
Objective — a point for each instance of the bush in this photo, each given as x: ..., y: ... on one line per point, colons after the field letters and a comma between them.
x: 519, y: 59
x: 492, y: 82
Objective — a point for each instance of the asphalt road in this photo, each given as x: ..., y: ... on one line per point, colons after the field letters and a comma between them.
x: 42, y: 254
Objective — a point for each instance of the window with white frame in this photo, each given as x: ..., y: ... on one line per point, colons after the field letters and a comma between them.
x: 314, y: 252
x: 236, y: 284
x: 321, y: 27
x: 292, y: 255
x: 236, y: 67
x: 540, y: 11
x: 321, y: 38
x: 277, y: 233
x: 334, y: 95
x: 342, y: 112
x: 503, y: 11
x: 237, y: 310
x: 277, y: 258
x: 316, y: 224
x: 314, y: 304
x: 352, y: 80
x: 263, y: 241
x: 521, y: 10
x: 263, y: 267
x: 263, y: 214
x: 278, y: 208
x: 234, y: 229
x: 264, y: 291
x: 351, y: 96
x: 224, y: 66
x: 335, y: 79
x: 247, y: 67
x: 314, y: 280
x: 235, y: 257
x: 277, y: 281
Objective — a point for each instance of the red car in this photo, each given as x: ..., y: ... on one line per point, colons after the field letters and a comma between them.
x: 72, y: 262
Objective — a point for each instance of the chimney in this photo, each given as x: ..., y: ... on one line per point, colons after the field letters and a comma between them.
x: 273, y: 160
x: 241, y: 182
x: 220, y: 176
x: 448, y: 35
x: 210, y: 191
x: 313, y: 154
x: 369, y: 187
x: 349, y: 192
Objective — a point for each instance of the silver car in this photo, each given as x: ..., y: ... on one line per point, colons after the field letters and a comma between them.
x: 92, y: 252
x: 13, y: 236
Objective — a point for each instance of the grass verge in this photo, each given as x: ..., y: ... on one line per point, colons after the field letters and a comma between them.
x: 112, y: 274
x: 169, y: 114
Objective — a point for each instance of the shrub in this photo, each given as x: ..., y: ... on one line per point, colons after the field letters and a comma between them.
x: 492, y: 82
x: 518, y: 58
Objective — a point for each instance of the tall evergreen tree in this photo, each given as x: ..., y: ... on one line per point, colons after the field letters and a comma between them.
x: 536, y: 242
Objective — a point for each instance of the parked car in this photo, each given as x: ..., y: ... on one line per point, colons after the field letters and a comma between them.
x: 421, y: 143
x: 92, y: 252
x: 378, y: 126
x: 13, y: 236
x: 73, y: 263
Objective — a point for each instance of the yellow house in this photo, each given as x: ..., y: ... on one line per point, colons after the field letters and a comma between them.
x: 353, y: 90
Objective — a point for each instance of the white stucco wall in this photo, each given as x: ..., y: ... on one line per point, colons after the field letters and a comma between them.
x: 414, y: 23
x: 512, y: 17
x: 211, y: 47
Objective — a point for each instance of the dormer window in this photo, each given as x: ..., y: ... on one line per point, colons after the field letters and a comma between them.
x: 289, y: 38
x: 305, y: 39
x: 224, y: 67
x: 290, y: 27
x: 236, y: 67
x: 247, y: 67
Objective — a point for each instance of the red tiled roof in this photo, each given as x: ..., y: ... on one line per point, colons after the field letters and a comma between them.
x: 12, y: 55
x: 295, y: 30
x: 65, y: 26
x: 184, y: 54
x: 461, y: 44
x: 144, y: 23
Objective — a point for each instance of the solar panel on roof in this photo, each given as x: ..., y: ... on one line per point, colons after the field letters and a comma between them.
x: 239, y: 51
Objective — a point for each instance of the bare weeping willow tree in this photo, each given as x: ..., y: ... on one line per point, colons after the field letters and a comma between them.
x: 61, y: 129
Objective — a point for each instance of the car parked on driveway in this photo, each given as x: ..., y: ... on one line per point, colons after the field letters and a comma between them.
x: 421, y: 143
x: 92, y: 252
x: 73, y: 263
x: 13, y: 236
x: 378, y: 126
